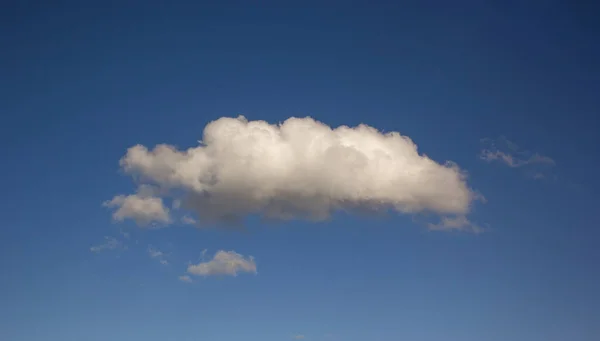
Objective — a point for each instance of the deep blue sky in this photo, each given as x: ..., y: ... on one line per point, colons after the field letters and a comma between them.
x: 82, y: 83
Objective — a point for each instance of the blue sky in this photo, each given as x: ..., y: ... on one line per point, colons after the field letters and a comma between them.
x: 81, y: 84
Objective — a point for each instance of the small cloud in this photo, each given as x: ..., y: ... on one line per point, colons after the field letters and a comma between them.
x: 489, y: 156
x: 459, y: 223
x: 176, y: 204
x: 203, y: 255
x: 186, y: 279
x: 539, y: 176
x: 158, y: 255
x: 537, y: 158
x: 144, y: 210
x: 124, y: 234
x: 110, y: 243
x: 154, y: 253
x: 188, y: 220
x: 227, y: 263
x: 514, y: 161
x: 298, y: 337
x: 509, y: 154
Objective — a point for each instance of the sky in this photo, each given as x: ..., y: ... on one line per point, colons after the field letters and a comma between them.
x: 381, y: 171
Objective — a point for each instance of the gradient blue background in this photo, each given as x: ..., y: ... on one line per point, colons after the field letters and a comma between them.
x: 82, y: 81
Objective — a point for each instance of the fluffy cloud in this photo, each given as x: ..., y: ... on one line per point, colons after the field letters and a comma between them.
x: 508, y: 153
x: 228, y: 263
x: 143, y: 209
x: 300, y: 168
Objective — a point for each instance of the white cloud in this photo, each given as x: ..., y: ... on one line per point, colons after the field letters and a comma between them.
x: 186, y: 279
x: 110, y: 243
x: 300, y: 168
x: 298, y: 337
x: 142, y: 209
x: 158, y: 255
x: 504, y: 151
x: 228, y: 263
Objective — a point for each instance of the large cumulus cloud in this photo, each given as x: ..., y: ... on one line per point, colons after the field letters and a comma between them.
x: 300, y: 168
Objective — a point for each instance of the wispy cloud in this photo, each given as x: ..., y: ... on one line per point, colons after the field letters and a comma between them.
x: 298, y: 337
x: 110, y: 243
x: 185, y: 278
x: 225, y: 263
x: 158, y: 255
x: 125, y: 235
x: 458, y: 223
x: 187, y: 220
x: 509, y: 154
x: 514, y: 161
